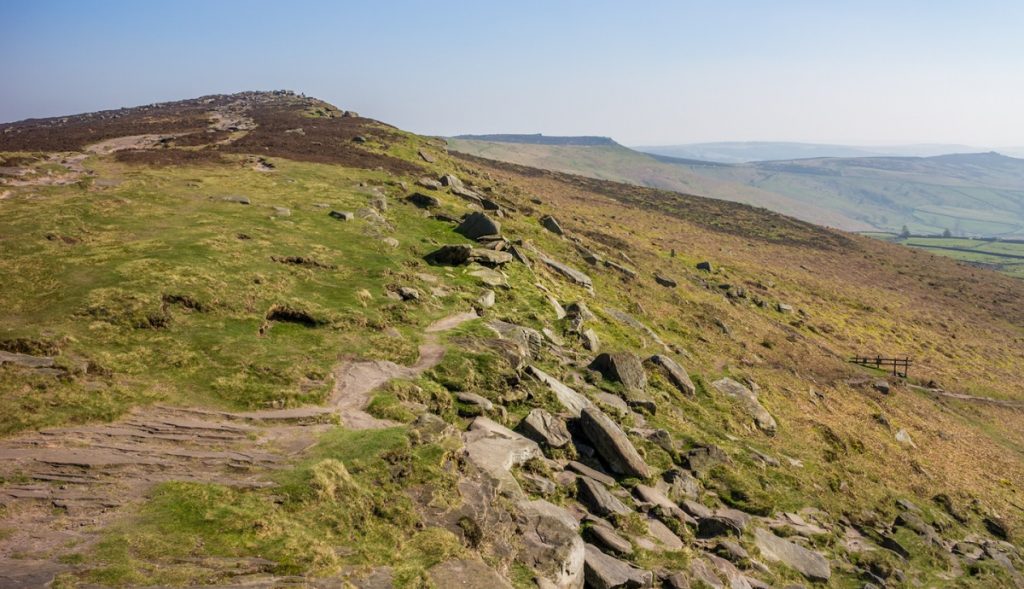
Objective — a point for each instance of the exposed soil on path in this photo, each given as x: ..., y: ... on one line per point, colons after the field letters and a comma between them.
x: 60, y: 487
x: 355, y: 380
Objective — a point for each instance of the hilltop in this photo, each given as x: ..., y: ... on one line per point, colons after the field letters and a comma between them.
x: 259, y: 340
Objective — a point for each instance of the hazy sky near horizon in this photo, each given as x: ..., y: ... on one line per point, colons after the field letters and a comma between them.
x: 643, y: 72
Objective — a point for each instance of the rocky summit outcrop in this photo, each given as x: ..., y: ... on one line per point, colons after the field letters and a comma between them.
x: 612, y: 444
x: 749, y: 402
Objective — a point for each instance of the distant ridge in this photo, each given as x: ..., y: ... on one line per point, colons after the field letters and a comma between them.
x: 538, y: 139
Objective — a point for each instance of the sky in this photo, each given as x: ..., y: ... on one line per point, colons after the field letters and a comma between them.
x: 861, y: 72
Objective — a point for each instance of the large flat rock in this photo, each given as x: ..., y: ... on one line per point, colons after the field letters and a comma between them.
x: 495, y: 450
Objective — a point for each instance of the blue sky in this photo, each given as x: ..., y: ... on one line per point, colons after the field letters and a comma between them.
x: 859, y: 72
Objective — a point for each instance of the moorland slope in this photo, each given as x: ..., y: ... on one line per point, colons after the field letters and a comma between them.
x: 257, y: 340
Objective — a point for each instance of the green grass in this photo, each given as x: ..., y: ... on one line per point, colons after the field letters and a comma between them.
x: 165, y: 301
x: 342, y: 506
x: 998, y: 255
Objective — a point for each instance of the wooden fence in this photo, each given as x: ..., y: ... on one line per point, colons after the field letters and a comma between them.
x: 899, y: 366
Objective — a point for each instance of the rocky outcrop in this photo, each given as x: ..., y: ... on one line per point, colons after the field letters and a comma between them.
x: 607, y: 572
x: 624, y: 367
x: 674, y: 373
x: 612, y: 444
x: 808, y: 563
x: 552, y: 546
x: 748, y: 400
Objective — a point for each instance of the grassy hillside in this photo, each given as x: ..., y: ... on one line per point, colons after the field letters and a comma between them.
x: 973, y: 194
x: 622, y: 164
x: 213, y: 374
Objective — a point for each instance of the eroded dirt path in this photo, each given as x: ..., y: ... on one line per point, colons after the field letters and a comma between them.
x: 354, y: 381
x: 60, y: 487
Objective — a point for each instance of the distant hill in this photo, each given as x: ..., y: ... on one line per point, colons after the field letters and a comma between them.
x: 736, y: 152
x: 975, y: 194
x: 538, y: 139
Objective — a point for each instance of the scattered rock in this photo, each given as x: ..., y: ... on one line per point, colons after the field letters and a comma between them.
x: 573, y: 275
x: 477, y: 225
x: 657, y: 498
x: 612, y: 444
x: 882, y: 386
x: 749, y: 402
x: 451, y: 180
x: 552, y: 547
x: 429, y: 183
x: 904, y: 438
x: 359, y: 139
x: 475, y: 399
x: 242, y: 200
x: 607, y: 539
x: 783, y: 308
x: 282, y: 212
x: 390, y: 242
x: 486, y: 299
x: 624, y: 367
x: 552, y: 225
x: 665, y: 281
x: 423, y: 201
x: 607, y: 572
x: 494, y: 450
x: 459, y: 254
x: 343, y: 215
x: 675, y: 374
x: 810, y: 564
x: 705, y: 266
x: 723, y: 521
x: 597, y: 497
x: 997, y: 527
x: 627, y: 272
x: 679, y: 484
x: 544, y: 428
x: 703, y: 458
x: 426, y: 156
x: 572, y: 401
x: 590, y: 340
x: 409, y: 293
x: 559, y: 311
x: 583, y: 469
